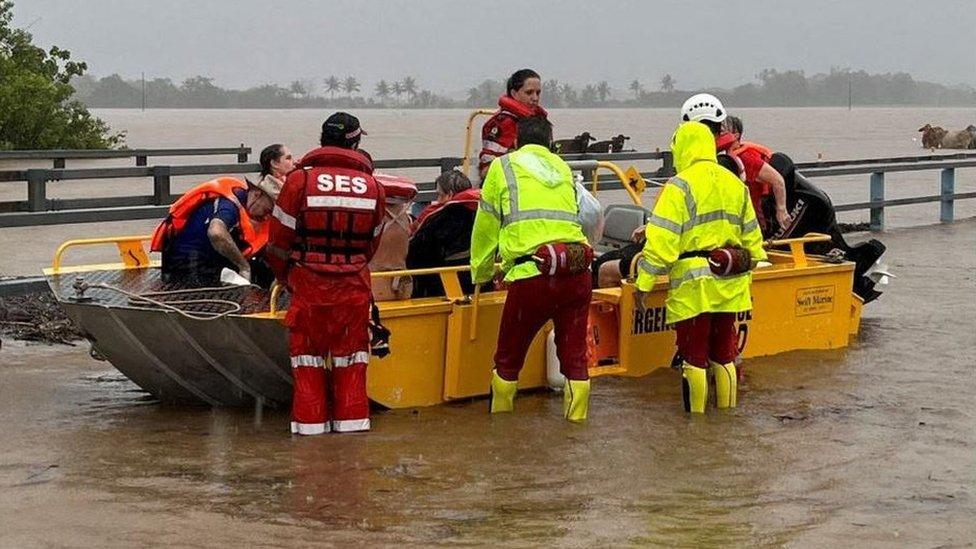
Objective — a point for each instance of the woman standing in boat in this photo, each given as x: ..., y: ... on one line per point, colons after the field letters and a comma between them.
x: 523, y: 92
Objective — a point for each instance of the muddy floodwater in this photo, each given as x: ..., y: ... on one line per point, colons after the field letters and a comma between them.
x: 874, y: 445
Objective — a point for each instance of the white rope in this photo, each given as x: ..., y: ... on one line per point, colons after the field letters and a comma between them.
x: 234, y: 307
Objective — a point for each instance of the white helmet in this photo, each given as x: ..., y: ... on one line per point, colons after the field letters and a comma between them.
x: 703, y: 106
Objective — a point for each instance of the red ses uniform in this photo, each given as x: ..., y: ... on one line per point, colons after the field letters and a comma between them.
x: 499, y: 132
x: 325, y: 228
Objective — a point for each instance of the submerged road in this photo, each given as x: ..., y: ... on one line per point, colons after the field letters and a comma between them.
x: 874, y: 445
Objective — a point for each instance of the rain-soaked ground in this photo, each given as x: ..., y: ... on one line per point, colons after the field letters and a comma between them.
x: 872, y: 445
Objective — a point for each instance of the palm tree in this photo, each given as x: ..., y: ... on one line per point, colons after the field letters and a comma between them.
x: 398, y: 90
x: 332, y: 85
x: 350, y: 85
x: 551, y: 92
x: 410, y: 86
x: 588, y: 96
x: 637, y: 88
x: 383, y: 90
x: 667, y: 83
x: 474, y: 97
x: 603, y: 91
x: 568, y: 94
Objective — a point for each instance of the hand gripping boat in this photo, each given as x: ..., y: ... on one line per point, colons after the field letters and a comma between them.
x: 228, y: 347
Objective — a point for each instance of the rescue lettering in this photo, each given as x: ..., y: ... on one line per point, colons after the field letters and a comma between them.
x: 341, y: 183
x: 654, y: 320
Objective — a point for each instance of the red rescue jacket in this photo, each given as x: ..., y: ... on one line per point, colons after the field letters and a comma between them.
x: 469, y: 198
x: 254, y: 234
x: 329, y: 215
x: 499, y: 132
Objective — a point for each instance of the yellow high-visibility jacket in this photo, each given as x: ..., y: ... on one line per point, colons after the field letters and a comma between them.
x: 702, y: 208
x: 528, y: 199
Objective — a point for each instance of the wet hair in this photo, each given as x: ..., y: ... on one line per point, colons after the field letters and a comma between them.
x: 518, y: 78
x: 716, y: 127
x: 268, y: 155
x: 534, y: 130
x: 733, y: 124
x: 452, y: 182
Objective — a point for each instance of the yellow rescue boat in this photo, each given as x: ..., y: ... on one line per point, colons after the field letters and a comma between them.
x: 442, y: 347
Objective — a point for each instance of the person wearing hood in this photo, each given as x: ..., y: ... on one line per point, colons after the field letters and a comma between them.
x: 441, y: 235
x: 523, y: 93
x: 529, y: 217
x: 704, y: 236
x: 325, y: 228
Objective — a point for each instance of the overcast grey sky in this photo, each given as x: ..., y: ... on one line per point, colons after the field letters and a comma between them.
x: 452, y: 45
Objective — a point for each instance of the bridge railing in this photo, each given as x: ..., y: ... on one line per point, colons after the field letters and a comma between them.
x: 39, y: 209
x: 59, y: 156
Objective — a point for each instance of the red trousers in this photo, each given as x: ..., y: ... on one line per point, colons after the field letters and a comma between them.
x: 708, y: 336
x: 529, y: 305
x: 316, y: 332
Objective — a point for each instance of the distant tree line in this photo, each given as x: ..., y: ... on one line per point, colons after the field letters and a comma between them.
x: 201, y: 92
x: 772, y: 88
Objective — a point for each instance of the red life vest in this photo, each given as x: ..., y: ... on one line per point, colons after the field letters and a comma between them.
x: 499, y: 132
x: 468, y: 197
x: 338, y: 223
x: 255, y: 235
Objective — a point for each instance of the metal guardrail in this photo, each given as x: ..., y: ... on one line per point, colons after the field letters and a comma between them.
x: 38, y: 209
x: 59, y: 156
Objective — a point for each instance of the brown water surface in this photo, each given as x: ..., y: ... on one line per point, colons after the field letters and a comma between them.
x: 804, y: 133
x: 874, y: 445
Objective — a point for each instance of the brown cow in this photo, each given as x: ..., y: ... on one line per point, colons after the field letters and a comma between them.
x: 932, y: 136
x: 961, y: 139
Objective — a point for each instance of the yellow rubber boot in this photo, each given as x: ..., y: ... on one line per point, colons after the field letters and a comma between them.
x: 502, y: 394
x: 726, y: 385
x: 576, y: 399
x: 694, y: 388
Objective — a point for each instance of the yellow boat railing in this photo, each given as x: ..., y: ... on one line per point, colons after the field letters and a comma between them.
x: 466, y: 158
x: 131, y: 251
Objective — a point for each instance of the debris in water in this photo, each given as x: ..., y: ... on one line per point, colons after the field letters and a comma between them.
x: 36, y: 317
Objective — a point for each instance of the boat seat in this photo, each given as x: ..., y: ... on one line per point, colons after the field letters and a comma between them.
x: 620, y: 220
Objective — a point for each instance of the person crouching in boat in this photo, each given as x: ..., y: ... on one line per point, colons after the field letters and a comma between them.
x: 523, y: 92
x: 220, y: 224
x: 703, y: 234
x: 325, y: 227
x: 441, y: 235
x: 767, y: 189
x: 529, y: 216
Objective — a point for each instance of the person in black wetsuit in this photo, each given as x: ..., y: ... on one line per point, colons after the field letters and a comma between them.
x: 442, y: 233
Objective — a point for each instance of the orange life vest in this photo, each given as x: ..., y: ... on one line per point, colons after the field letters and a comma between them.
x: 765, y: 152
x: 255, y: 236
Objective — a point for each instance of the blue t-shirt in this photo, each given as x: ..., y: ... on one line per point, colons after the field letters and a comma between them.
x: 193, y: 241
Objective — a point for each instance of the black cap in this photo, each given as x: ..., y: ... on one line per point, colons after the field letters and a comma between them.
x: 342, y: 127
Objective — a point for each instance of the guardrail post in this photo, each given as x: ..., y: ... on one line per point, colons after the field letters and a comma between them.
x: 58, y: 163
x: 948, y: 190
x: 161, y: 185
x: 242, y: 155
x: 141, y: 160
x: 667, y: 164
x: 877, y: 195
x: 37, y: 189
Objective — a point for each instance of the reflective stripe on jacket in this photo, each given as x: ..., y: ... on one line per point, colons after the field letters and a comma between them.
x: 528, y: 199
x: 702, y: 208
